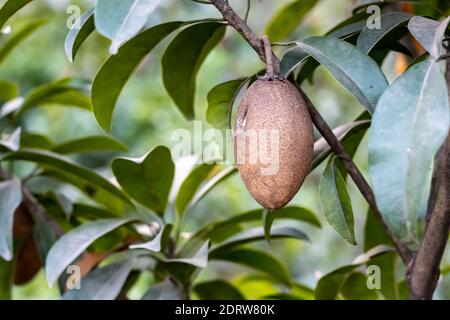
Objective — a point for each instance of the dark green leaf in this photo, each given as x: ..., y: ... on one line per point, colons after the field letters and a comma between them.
x: 115, y: 72
x: 7, y: 275
x: 82, y: 28
x: 121, y: 20
x: 336, y: 203
x: 90, y: 144
x: 58, y: 162
x: 10, y: 8
x: 413, y: 109
x: 184, y: 57
x: 10, y: 199
x: 217, y: 290
x: 389, y: 22
x: 257, y: 260
x: 73, y: 243
x: 288, y: 18
x: 355, y: 288
x: 357, y: 72
x: 16, y: 38
x: 220, y: 102
x: 148, y: 179
x: 257, y: 234
x: 267, y: 220
x: 35, y: 140
x: 102, y: 284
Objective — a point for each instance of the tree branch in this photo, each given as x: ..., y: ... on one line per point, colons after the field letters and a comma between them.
x: 425, y: 271
x: 237, y: 23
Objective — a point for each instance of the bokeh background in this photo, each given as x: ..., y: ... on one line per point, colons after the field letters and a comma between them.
x: 146, y: 117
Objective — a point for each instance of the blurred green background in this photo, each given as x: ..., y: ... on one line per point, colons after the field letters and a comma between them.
x: 146, y: 117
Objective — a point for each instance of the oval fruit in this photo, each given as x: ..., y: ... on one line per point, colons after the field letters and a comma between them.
x: 273, y: 142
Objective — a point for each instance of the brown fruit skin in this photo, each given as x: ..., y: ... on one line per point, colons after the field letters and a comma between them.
x: 274, y: 104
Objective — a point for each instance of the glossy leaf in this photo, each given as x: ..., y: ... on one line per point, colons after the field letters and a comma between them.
x: 183, y: 59
x: 165, y: 290
x: 257, y: 234
x: 147, y: 179
x: 222, y: 230
x: 35, y: 140
x: 220, y: 102
x: 429, y: 33
x: 11, y: 142
x: 58, y: 162
x: 82, y: 28
x: 102, y: 284
x: 157, y: 244
x: 217, y: 290
x: 10, y: 199
x: 287, y: 19
x: 73, y: 243
x: 258, y: 260
x: 90, y: 144
x: 357, y: 72
x: 121, y: 20
x: 17, y: 37
x: 336, y: 203
x: 413, y: 109
x: 389, y: 22
x: 9, y: 8
x: 115, y: 72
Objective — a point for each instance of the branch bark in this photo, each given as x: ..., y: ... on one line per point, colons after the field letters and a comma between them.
x: 237, y: 23
x: 424, y: 274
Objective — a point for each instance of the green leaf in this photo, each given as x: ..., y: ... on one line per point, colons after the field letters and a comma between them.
x: 115, y: 72
x: 67, y: 92
x: 199, y: 259
x: 7, y: 275
x: 12, y: 141
x: 184, y: 57
x: 286, y: 20
x: 58, y: 162
x: 413, y: 109
x: 191, y: 184
x: 8, y: 90
x: 217, y: 290
x: 258, y: 260
x: 147, y: 179
x: 336, y: 203
x: 80, y: 31
x: 73, y: 243
x: 267, y: 220
x: 10, y: 8
x: 350, y: 135
x: 368, y: 38
x: 35, y: 140
x: 257, y: 234
x: 90, y: 144
x: 356, y: 71
x: 121, y: 20
x: 10, y: 199
x: 429, y: 33
x: 355, y: 288
x: 159, y: 243
x: 16, y: 38
x: 102, y: 284
x: 328, y: 287
x: 44, y: 237
x: 220, y: 102
x: 165, y: 290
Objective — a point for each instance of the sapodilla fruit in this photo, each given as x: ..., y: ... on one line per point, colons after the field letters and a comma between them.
x: 273, y: 142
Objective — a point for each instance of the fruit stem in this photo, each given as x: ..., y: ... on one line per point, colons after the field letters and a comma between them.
x: 270, y: 70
